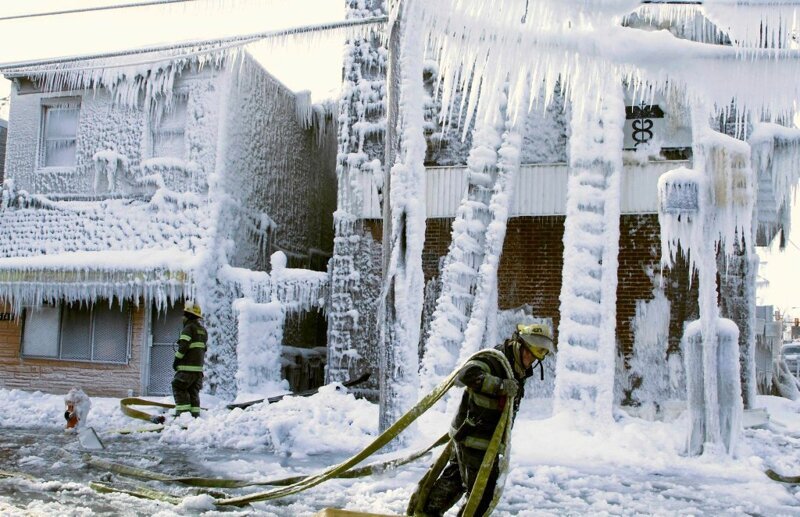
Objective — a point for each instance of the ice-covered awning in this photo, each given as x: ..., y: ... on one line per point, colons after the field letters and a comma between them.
x: 159, y: 276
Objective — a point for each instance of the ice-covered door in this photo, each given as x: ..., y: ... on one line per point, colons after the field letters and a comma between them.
x: 166, y: 328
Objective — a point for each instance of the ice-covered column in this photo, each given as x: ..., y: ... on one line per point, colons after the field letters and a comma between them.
x: 467, y: 246
x: 726, y: 211
x: 703, y: 210
x: 358, y: 161
x: 401, y: 304
x: 477, y: 335
x: 587, y: 340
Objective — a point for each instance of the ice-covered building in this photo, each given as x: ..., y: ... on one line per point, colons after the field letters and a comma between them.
x: 135, y: 182
x: 650, y: 304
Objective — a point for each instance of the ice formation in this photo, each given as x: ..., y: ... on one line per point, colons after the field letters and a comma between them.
x: 587, y: 344
x: 361, y: 125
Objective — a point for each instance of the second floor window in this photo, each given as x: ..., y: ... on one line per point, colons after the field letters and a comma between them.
x: 59, y: 133
x: 168, y: 129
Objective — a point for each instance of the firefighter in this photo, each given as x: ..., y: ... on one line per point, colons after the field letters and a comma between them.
x: 487, y: 391
x: 188, y: 362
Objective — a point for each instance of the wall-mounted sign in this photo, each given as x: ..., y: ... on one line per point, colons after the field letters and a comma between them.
x: 643, y: 123
x: 6, y: 316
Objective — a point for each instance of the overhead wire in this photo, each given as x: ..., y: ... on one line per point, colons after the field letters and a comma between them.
x: 213, y: 44
x: 91, y: 9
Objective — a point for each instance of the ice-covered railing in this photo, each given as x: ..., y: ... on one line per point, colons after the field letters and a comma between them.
x: 296, y: 290
x: 776, y: 162
x: 722, y: 187
x: 266, y: 299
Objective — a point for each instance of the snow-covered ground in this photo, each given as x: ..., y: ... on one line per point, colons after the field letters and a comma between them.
x: 628, y: 467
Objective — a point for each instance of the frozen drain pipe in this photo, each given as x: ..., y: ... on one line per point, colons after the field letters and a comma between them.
x: 727, y: 381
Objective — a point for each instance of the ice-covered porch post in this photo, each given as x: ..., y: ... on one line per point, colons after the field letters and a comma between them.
x: 587, y: 341
x: 404, y: 216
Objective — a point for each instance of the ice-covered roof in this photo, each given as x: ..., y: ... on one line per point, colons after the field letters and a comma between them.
x: 58, y: 227
x: 87, y: 250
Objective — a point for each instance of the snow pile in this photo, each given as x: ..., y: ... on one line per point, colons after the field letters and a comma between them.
x: 332, y: 421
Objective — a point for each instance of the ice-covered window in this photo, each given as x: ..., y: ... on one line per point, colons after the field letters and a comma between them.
x: 74, y: 332
x: 168, y: 128
x: 59, y: 132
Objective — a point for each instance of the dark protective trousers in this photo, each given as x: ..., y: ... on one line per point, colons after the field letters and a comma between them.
x: 458, y: 478
x: 186, y: 388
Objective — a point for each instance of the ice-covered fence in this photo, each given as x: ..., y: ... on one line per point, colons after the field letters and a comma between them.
x: 297, y: 289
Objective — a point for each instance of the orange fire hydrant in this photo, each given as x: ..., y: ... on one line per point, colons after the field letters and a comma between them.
x: 71, y: 416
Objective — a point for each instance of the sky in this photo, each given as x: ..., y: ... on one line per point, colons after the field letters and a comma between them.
x: 311, y: 64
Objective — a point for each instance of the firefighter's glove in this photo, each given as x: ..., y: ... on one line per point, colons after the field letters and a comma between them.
x: 509, y: 388
x: 175, y: 364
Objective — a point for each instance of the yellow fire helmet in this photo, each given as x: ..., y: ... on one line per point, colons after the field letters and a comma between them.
x: 190, y: 307
x: 537, y: 338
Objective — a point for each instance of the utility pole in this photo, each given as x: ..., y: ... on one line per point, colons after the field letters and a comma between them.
x: 387, y: 316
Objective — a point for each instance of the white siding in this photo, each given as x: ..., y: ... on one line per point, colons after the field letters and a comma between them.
x: 539, y: 190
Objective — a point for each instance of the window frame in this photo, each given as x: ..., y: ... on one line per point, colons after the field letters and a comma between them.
x: 48, y: 105
x: 128, y: 318
x: 155, y: 129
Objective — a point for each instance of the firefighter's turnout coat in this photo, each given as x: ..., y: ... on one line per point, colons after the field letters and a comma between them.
x: 483, y: 401
x: 191, y: 347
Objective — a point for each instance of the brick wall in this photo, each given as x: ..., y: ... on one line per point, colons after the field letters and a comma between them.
x: 55, y: 376
x: 531, y: 265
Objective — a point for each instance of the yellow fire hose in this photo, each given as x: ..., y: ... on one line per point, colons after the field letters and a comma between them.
x: 496, y: 445
x: 150, y: 475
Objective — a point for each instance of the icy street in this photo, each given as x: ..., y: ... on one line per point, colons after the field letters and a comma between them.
x: 585, y: 185
x: 634, y: 467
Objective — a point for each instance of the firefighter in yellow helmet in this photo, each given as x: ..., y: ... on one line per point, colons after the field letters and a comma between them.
x: 487, y: 392
x: 188, y: 362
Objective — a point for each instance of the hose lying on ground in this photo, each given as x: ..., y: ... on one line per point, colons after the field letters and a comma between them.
x: 140, y: 473
x: 496, y: 447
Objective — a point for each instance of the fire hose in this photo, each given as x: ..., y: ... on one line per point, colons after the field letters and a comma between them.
x: 496, y: 451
